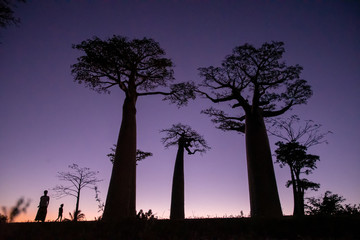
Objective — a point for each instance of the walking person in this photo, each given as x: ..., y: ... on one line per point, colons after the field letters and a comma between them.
x: 60, y: 213
x: 42, y: 211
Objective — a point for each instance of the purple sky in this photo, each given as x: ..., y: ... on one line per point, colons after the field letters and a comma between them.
x: 48, y: 122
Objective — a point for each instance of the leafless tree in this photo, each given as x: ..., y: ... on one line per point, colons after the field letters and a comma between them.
x: 77, y: 179
x: 292, y: 129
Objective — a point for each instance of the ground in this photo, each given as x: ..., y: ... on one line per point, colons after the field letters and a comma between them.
x: 224, y: 228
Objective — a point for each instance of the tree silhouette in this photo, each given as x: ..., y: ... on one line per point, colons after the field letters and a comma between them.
x: 306, y: 133
x: 330, y: 204
x: 186, y: 139
x: 7, y: 13
x: 137, y: 67
x: 294, y: 155
x: 258, y: 85
x: 78, y: 178
x: 298, y: 137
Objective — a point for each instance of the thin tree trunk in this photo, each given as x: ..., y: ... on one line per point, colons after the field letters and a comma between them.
x: 301, y: 203
x: 300, y: 196
x: 77, y: 206
x: 295, y: 192
x: 264, y: 197
x: 177, y: 211
x: 121, y: 197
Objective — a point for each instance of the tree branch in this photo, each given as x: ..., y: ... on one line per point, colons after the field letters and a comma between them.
x: 279, y: 112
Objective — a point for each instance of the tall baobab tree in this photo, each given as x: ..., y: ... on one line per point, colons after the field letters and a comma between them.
x: 186, y: 139
x: 137, y: 67
x: 257, y: 84
x: 78, y: 178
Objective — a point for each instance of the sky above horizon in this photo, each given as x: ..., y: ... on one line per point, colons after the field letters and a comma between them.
x: 48, y: 121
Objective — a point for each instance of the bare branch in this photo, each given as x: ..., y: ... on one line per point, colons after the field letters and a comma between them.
x: 224, y: 121
x: 292, y: 130
x: 79, y: 178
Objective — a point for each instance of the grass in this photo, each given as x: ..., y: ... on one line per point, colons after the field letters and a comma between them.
x: 219, y: 228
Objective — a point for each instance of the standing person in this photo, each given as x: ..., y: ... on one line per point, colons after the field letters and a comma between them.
x: 60, y: 213
x: 42, y: 211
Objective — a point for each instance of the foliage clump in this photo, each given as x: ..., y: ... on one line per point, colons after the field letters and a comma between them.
x: 330, y: 204
x: 20, y: 207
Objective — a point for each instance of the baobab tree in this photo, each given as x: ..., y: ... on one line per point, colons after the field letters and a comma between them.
x: 257, y: 84
x: 78, y: 178
x: 137, y: 67
x: 186, y: 139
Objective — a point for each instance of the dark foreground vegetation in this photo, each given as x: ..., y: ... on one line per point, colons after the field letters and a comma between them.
x: 308, y: 227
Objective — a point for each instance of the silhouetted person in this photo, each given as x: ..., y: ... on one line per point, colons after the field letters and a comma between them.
x: 141, y: 214
x: 149, y: 215
x: 42, y: 211
x: 60, y: 213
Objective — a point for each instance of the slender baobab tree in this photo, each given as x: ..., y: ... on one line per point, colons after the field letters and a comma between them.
x: 257, y: 84
x: 186, y: 139
x: 137, y: 67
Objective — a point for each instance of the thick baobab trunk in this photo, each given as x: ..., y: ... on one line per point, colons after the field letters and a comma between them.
x: 121, y: 197
x: 177, y: 211
x: 264, y: 197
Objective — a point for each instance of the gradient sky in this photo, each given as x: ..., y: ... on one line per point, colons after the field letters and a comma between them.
x: 48, y: 122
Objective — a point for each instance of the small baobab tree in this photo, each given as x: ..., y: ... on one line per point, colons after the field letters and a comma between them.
x: 256, y: 84
x: 186, y: 139
x: 137, y: 67
x: 77, y: 179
